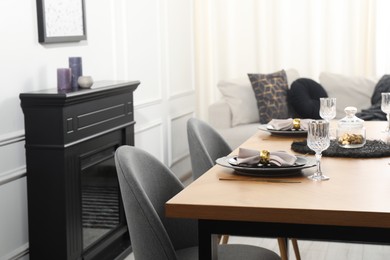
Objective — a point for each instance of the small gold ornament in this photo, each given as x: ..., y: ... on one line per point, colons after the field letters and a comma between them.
x: 264, y: 157
x: 347, y: 139
x: 296, y: 123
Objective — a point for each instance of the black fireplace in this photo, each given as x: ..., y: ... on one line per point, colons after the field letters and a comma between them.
x: 74, y: 205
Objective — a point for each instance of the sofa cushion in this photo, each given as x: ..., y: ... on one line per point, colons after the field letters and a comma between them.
x: 271, y: 95
x: 220, y: 114
x: 304, y: 97
x: 237, y: 135
x: 349, y: 90
x: 238, y: 94
x: 240, y: 97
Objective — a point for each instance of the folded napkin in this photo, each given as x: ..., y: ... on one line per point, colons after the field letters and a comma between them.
x: 280, y: 158
x: 287, y: 124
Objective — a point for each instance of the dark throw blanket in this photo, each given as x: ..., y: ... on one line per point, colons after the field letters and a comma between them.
x: 374, y: 112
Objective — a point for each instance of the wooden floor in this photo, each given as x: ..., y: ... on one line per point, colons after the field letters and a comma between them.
x: 312, y: 250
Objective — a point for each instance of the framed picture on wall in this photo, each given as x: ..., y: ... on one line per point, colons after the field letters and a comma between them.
x: 61, y: 21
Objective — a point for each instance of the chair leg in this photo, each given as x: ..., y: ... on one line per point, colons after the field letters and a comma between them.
x: 282, y: 248
x: 296, y: 248
x: 224, y: 239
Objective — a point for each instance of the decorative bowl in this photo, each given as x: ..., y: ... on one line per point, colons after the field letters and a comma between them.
x: 85, y: 81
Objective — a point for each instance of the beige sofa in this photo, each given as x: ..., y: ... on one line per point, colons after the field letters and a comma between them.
x: 235, y: 115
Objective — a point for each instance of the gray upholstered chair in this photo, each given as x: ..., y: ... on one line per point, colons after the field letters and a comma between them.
x: 206, y: 146
x: 146, y: 184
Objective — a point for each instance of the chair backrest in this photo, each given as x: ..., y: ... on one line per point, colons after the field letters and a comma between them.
x: 206, y: 145
x: 146, y: 185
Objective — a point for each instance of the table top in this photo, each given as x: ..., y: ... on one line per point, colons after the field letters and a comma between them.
x: 357, y: 193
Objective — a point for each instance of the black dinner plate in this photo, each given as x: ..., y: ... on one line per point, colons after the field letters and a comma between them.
x: 291, y: 132
x: 266, y: 171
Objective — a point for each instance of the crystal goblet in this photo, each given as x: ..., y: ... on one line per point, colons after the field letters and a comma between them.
x: 385, y: 106
x: 327, y: 108
x: 328, y: 111
x: 318, y: 141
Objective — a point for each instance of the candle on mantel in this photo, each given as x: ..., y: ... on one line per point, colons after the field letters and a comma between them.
x: 64, y: 77
x: 75, y: 63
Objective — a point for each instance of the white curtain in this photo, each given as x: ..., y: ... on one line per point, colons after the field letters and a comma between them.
x: 236, y: 37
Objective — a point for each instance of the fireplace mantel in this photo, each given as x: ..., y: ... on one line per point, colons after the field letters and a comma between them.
x: 71, y: 138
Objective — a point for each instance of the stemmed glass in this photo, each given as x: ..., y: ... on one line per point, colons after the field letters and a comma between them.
x: 385, y: 106
x: 327, y: 108
x: 318, y: 141
x: 328, y: 111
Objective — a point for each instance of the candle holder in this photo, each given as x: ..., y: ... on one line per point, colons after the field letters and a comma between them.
x: 64, y: 78
x: 75, y: 63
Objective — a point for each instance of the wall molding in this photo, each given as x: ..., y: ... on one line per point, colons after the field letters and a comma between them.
x: 148, y: 103
x: 182, y: 94
x: 180, y: 115
x: 18, y: 253
x: 156, y: 124
x: 10, y: 138
x: 17, y: 173
x: 12, y: 175
x: 150, y: 125
x: 172, y: 161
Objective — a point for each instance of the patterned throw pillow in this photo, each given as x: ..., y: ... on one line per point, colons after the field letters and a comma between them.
x: 271, y: 95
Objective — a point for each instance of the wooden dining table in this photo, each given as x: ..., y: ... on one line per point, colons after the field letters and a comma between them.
x: 353, y: 206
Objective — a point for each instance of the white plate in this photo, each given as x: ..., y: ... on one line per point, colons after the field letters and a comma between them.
x: 270, y: 129
x: 266, y: 171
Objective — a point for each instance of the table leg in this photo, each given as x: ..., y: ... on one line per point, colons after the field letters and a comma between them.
x: 283, y: 247
x: 294, y: 243
x: 208, y: 242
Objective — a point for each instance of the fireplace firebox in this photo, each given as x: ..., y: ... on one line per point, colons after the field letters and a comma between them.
x: 75, y: 209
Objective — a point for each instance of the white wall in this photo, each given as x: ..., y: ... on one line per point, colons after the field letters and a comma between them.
x: 150, y: 41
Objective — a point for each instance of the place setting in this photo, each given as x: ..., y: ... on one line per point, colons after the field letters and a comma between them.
x: 299, y: 126
x: 286, y: 127
x: 250, y: 162
x: 281, y: 163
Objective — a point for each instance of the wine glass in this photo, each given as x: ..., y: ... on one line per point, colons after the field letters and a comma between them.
x: 328, y: 112
x: 327, y: 108
x: 385, y: 106
x: 318, y: 141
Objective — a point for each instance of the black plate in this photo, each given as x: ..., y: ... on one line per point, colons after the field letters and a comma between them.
x: 266, y: 171
x: 291, y: 132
